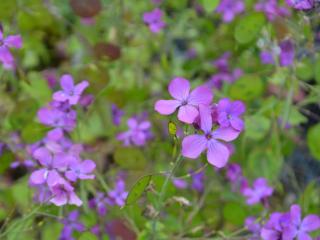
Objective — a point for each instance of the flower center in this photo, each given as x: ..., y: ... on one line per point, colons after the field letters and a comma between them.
x: 184, y: 102
x: 208, y: 136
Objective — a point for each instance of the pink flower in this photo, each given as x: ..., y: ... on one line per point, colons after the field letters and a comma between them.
x: 179, y: 89
x: 217, y: 152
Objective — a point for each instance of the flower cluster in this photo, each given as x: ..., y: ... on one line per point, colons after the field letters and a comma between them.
x: 230, y: 8
x: 71, y: 224
x: 116, y: 196
x: 138, y: 133
x: 196, y: 108
x: 154, y: 20
x: 59, y: 160
x: 285, y: 52
x: 6, y: 57
x: 289, y: 225
x: 301, y: 4
x: 224, y: 73
x: 258, y: 193
x: 271, y: 9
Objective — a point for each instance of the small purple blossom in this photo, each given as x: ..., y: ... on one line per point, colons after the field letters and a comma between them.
x: 273, y: 229
x: 187, y: 102
x: 259, y: 192
x: 301, y: 4
x: 266, y: 57
x: 138, y: 133
x: 70, y: 93
x: 217, y: 152
x: 300, y: 227
x: 99, y: 202
x: 230, y: 8
x: 118, y: 195
x: 198, y: 181
x: 271, y: 9
x: 117, y: 114
x: 229, y: 114
x: 154, y: 20
x: 80, y: 170
x: 287, y: 53
x: 63, y: 193
x: 6, y: 57
x: 254, y: 227
x: 180, y: 183
x: 71, y: 224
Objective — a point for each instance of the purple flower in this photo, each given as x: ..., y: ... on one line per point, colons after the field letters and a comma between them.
x: 56, y: 118
x: 179, y: 89
x: 118, y: 195
x: 217, y: 152
x: 138, y: 133
x: 271, y: 9
x: 237, y: 180
x: 86, y: 100
x: 301, y: 4
x: 224, y: 74
x: 298, y: 227
x: 80, y: 170
x: 12, y: 41
x: 63, y: 193
x: 71, y: 224
x: 99, y: 202
x: 254, y: 227
x: 266, y: 57
x: 70, y: 92
x: 273, y: 229
x: 51, y: 77
x: 259, y: 192
x: 180, y: 183
x: 154, y: 20
x: 198, y: 181
x: 230, y: 8
x: 50, y: 163
x: 287, y: 53
x: 229, y: 114
x: 117, y: 114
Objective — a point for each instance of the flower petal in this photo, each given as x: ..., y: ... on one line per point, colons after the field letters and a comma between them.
x: 66, y: 83
x: 200, y: 95
x: 205, y: 118
x: 226, y: 134
x: 237, y: 108
x: 187, y: 114
x: 166, y: 107
x: 193, y: 146
x: 38, y: 177
x: 87, y: 166
x: 13, y: 41
x: 218, y: 154
x: 80, y: 87
x: 303, y: 236
x: 310, y: 223
x: 179, y: 88
x: 295, y: 214
x: 237, y: 123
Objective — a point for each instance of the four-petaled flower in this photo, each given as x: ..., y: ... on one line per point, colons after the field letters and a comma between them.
x: 229, y: 114
x: 70, y: 92
x: 259, y: 191
x: 154, y: 20
x: 217, y: 152
x: 179, y: 89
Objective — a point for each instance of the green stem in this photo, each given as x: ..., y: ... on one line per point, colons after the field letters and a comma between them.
x: 163, y: 192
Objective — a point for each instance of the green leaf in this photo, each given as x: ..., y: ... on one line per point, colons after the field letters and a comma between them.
x: 210, y: 5
x: 138, y: 189
x: 234, y: 213
x: 38, y: 88
x: 313, y: 141
x: 247, y: 88
x: 249, y: 27
x: 88, y: 236
x: 317, y: 70
x: 130, y: 158
x: 33, y: 132
x: 51, y: 231
x: 5, y: 159
x: 304, y: 70
x: 257, y: 126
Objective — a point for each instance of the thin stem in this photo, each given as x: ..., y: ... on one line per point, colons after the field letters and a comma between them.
x: 163, y: 192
